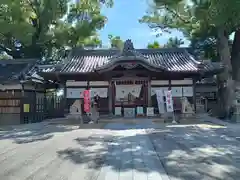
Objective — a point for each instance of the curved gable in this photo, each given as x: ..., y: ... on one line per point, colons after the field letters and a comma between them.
x: 129, y: 58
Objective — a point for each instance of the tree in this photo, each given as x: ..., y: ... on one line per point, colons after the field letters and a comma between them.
x: 217, y: 20
x: 116, y: 41
x: 38, y: 26
x: 154, y: 45
x: 174, y: 43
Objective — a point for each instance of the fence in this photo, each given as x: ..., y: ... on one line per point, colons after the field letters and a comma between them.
x: 37, y: 109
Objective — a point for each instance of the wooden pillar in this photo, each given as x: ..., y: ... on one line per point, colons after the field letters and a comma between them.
x: 194, y: 96
x: 45, y: 99
x: 170, y: 88
x: 65, y: 106
x: 169, y: 84
x: 34, y: 104
x: 88, y: 85
x: 149, y: 93
x: 110, y: 97
x: 23, y: 89
x: 22, y: 102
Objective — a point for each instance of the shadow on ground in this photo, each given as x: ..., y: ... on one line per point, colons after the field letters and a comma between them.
x: 32, y: 133
x: 184, y: 152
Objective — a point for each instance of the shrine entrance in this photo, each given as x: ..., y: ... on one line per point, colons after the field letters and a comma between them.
x: 130, y: 96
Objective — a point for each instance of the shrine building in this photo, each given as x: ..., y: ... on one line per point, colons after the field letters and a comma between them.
x: 126, y: 81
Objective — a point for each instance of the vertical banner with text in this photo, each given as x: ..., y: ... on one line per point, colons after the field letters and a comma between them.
x: 160, y: 100
x: 87, y: 101
x: 169, y: 101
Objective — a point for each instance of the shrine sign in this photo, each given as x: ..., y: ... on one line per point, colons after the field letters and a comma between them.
x: 169, y: 101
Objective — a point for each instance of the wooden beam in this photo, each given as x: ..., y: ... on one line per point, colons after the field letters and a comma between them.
x: 65, y: 96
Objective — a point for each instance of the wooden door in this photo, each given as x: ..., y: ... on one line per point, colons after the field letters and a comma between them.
x: 130, y: 101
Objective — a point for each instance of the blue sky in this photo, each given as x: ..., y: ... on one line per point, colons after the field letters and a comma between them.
x: 123, y: 21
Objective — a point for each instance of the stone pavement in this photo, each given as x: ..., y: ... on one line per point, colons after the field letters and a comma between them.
x: 121, y: 151
x: 206, y: 118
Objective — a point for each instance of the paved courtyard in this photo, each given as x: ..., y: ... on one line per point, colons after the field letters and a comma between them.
x: 121, y: 151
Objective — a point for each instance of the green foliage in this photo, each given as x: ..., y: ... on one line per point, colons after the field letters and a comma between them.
x: 116, y: 41
x: 171, y: 43
x: 154, y: 45
x: 41, y: 25
x: 190, y: 18
x: 224, y: 13
x: 174, y: 43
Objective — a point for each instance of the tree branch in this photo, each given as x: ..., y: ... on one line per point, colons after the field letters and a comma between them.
x: 32, y: 6
x: 176, y: 14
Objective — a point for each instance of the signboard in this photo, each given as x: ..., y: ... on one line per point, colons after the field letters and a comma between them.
x: 150, y: 111
x: 160, y: 100
x: 87, y: 100
x: 129, y: 112
x: 169, y: 101
x: 118, y: 111
x: 26, y: 108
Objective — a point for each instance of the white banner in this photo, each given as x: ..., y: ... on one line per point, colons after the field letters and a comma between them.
x: 122, y: 91
x: 169, y: 101
x: 160, y: 100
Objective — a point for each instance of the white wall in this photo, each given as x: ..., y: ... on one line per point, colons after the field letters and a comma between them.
x: 15, y: 86
x: 173, y: 82
x: 84, y: 83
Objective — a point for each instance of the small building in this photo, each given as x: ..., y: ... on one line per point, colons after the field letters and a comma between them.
x: 12, y: 89
x: 23, y: 93
x: 126, y: 81
x: 207, y: 94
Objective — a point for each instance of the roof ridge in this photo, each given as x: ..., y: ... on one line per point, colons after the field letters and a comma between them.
x: 18, y: 61
x: 192, y: 58
x: 79, y: 50
x: 161, y: 50
x: 93, y: 51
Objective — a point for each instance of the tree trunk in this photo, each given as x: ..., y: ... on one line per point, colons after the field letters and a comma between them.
x: 235, y: 56
x: 226, y: 82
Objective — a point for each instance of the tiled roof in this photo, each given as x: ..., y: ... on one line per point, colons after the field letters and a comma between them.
x: 164, y: 59
x: 12, y: 69
x: 176, y: 60
x: 34, y: 72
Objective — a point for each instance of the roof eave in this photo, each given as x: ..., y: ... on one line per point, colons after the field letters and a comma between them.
x: 114, y: 62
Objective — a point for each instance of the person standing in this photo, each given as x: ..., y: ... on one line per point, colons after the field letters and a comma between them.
x: 97, y: 105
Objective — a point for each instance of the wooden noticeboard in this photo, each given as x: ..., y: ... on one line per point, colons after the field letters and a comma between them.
x: 26, y: 108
